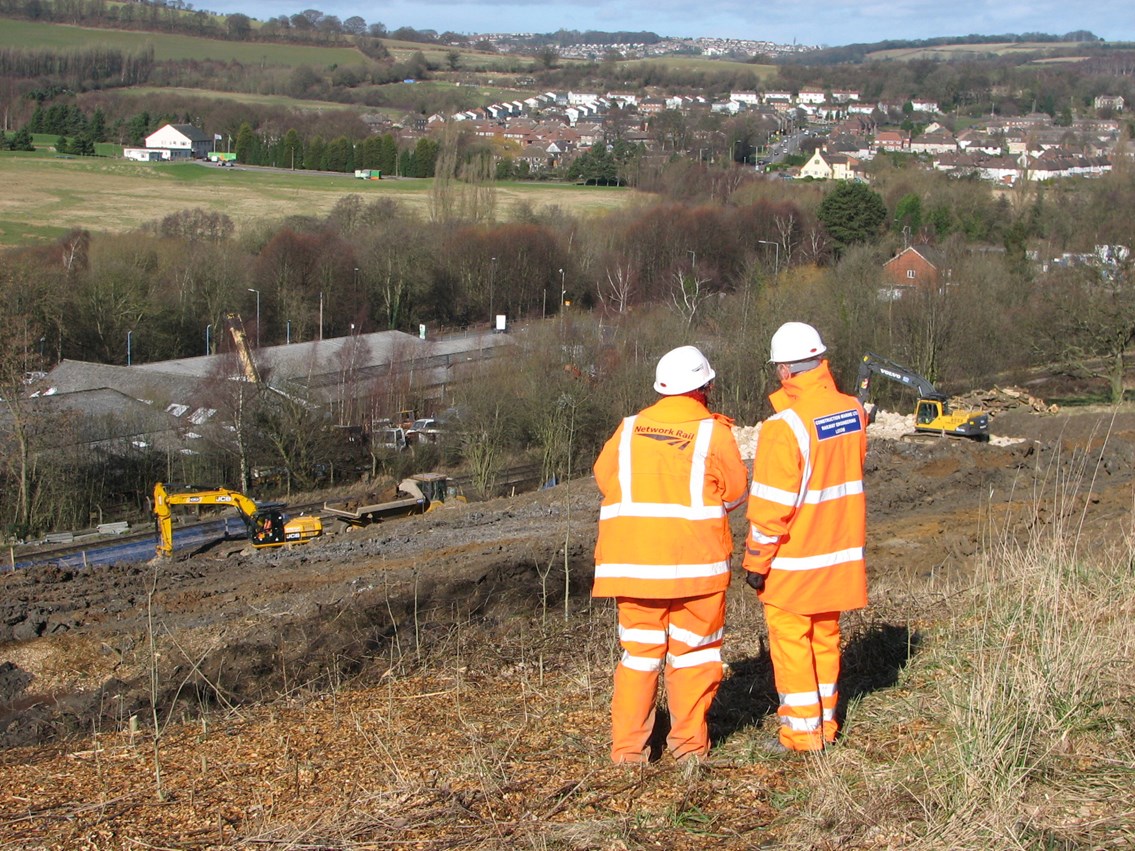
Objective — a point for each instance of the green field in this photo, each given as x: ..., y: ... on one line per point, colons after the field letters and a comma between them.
x: 759, y: 73
x: 47, y: 195
x: 29, y: 34
x: 954, y: 52
x: 244, y: 98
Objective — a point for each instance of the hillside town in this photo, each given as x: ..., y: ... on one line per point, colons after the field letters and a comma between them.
x: 555, y: 126
x: 836, y: 131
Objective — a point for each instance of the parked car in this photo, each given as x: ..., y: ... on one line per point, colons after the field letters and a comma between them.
x: 392, y: 438
x: 424, y: 430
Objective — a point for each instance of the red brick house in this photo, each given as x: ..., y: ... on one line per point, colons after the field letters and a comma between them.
x: 916, y: 266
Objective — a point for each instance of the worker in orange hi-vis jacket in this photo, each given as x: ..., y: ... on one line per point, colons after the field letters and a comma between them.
x: 669, y: 476
x: 807, y: 512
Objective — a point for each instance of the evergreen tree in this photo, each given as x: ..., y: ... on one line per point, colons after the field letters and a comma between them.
x: 388, y: 154
x: 851, y: 213
x: 425, y: 157
x: 97, y: 126
x: 313, y: 153
x: 245, y: 143
x: 21, y: 140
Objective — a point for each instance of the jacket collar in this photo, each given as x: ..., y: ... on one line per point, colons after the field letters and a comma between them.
x: 677, y: 409
x: 802, y: 384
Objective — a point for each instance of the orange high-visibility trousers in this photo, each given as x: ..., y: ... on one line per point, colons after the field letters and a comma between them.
x: 805, y: 664
x: 682, y: 637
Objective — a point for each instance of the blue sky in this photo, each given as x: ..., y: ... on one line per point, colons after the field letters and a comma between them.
x: 835, y: 22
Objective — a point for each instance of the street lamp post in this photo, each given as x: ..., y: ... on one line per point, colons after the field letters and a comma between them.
x: 208, y: 337
x: 251, y: 290
x: 776, y: 256
x: 321, y: 314
x: 129, y: 340
x: 492, y: 282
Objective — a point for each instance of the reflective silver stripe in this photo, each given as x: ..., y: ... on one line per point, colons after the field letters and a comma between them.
x: 665, y: 510
x: 729, y: 506
x: 692, y: 660
x: 625, y: 459
x: 801, y: 725
x: 761, y: 538
x: 800, y: 698
x: 660, y: 571
x: 767, y: 492
x: 829, y: 714
x: 834, y: 559
x: 814, y: 497
x: 642, y: 636
x: 697, y: 467
x: 827, y: 690
x: 640, y: 663
x: 804, y: 444
x: 692, y: 639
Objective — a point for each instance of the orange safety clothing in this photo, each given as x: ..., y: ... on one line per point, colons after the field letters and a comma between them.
x: 807, y: 535
x: 669, y: 476
x: 805, y: 665
x: 683, y: 637
x: 807, y: 509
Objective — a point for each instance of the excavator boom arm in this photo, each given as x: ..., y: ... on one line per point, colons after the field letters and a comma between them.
x: 163, y: 499
x: 873, y: 365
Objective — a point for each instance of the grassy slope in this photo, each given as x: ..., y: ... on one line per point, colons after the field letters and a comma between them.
x: 27, y: 34
x: 46, y: 196
x: 694, y: 63
x: 949, y: 52
x: 989, y: 714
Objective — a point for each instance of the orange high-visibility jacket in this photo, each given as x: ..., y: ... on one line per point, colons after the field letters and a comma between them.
x: 807, y: 510
x: 669, y: 476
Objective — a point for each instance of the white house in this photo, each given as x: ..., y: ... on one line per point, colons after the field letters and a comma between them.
x: 180, y: 141
x: 824, y: 166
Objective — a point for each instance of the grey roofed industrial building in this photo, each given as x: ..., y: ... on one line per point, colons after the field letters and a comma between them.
x: 102, y: 418
x: 322, y: 371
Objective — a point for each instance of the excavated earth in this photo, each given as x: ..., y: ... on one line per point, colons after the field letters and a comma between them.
x: 74, y: 643
x: 83, y: 651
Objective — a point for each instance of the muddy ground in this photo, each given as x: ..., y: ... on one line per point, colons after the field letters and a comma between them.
x: 234, y: 625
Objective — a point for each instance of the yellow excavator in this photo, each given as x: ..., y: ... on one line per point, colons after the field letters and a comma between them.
x: 266, y: 526
x: 932, y: 413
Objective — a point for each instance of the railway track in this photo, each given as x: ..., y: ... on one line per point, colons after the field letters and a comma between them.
x: 89, y: 549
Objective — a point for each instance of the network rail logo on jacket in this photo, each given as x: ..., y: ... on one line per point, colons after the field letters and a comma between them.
x: 677, y: 438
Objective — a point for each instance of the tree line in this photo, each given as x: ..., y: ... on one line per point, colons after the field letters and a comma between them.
x: 717, y: 259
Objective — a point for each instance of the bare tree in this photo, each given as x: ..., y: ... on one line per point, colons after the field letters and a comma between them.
x: 617, y: 292
x: 688, y: 293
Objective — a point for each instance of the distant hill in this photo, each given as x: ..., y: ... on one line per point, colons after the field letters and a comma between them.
x: 951, y: 47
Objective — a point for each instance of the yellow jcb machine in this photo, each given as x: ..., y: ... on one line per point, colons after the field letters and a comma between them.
x: 266, y: 526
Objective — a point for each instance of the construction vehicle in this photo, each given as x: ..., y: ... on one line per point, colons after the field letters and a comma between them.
x: 932, y: 414
x: 420, y: 493
x: 266, y: 525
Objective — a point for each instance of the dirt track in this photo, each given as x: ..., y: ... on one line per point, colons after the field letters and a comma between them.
x: 249, y: 625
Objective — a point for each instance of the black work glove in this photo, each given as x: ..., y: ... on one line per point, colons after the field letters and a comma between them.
x: 756, y: 581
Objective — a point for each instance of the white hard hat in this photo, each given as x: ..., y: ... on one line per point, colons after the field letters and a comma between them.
x: 681, y: 370
x: 795, y: 341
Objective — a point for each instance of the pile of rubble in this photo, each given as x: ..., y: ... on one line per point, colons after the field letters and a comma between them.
x: 1000, y: 399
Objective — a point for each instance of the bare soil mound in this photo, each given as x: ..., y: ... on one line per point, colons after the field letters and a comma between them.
x: 431, y: 603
